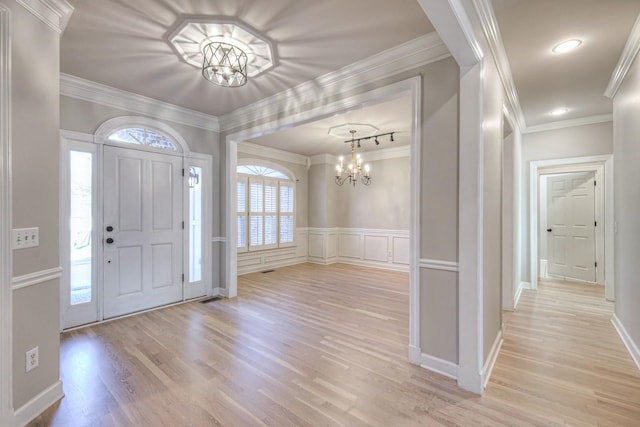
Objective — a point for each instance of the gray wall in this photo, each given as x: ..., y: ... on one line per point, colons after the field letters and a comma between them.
x: 578, y: 141
x: 35, y: 148
x: 626, y: 111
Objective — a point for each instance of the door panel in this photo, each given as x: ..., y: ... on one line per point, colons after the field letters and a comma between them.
x: 571, y: 219
x: 143, y: 204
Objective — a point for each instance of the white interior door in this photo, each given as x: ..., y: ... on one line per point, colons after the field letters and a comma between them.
x: 571, y: 226
x: 142, y: 230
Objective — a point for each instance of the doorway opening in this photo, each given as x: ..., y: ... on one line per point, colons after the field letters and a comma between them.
x: 571, y: 221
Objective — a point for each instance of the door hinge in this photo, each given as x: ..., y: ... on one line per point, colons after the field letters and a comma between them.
x: 182, y: 171
x: 595, y: 224
x: 594, y: 182
x: 596, y: 263
x: 183, y: 225
x: 183, y: 277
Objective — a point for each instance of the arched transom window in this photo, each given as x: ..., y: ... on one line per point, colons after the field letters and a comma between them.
x: 142, y: 136
x: 266, y: 208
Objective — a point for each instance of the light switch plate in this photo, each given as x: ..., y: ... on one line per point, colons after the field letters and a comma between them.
x: 25, y: 238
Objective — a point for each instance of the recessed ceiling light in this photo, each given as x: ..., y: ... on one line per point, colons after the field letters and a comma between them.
x: 566, y: 46
x: 559, y: 111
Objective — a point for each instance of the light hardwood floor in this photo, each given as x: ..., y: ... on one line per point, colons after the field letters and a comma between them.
x: 317, y: 345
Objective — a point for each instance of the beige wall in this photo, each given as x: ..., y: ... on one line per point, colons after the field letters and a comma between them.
x: 626, y: 111
x: 323, y: 197
x: 35, y: 149
x: 578, y: 141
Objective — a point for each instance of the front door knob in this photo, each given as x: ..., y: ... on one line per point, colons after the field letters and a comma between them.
x: 109, y: 228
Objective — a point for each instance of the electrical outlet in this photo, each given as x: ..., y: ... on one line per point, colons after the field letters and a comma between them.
x: 32, y: 359
x: 25, y: 238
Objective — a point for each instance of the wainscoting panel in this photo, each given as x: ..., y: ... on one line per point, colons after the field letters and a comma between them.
x: 350, y: 245
x: 376, y: 248
x: 400, y: 247
x: 316, y: 245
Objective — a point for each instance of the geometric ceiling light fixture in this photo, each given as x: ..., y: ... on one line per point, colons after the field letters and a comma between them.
x: 226, y: 50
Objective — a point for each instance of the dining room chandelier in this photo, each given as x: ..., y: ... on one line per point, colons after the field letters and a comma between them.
x: 354, y: 170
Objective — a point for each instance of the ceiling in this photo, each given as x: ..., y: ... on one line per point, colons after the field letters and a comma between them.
x: 576, y: 80
x: 123, y: 44
x: 313, y: 138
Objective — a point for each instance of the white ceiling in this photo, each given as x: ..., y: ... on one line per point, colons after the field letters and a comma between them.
x: 123, y: 44
x: 576, y: 80
x: 313, y: 138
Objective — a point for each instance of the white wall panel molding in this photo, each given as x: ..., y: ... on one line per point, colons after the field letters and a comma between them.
x: 634, y: 351
x: 629, y: 54
x: 421, y: 51
x: 491, y: 359
x: 444, y: 367
x: 494, y: 39
x: 582, y: 121
x: 36, y: 278
x: 6, y: 314
x: 86, y: 90
x: 272, y: 153
x: 38, y: 404
x: 54, y: 13
x: 436, y: 264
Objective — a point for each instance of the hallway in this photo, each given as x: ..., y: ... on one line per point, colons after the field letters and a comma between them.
x: 563, y: 361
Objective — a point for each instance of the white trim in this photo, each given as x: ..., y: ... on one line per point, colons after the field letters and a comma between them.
x: 218, y: 239
x: 489, y: 23
x: 440, y: 366
x: 629, y: 53
x: 609, y: 255
x: 248, y: 161
x: 36, y: 406
x: 54, y: 13
x: 272, y: 153
x: 415, y: 53
x: 491, y: 359
x: 411, y: 86
x: 115, y: 124
x: 86, y: 90
x: 582, y: 121
x: 399, y: 152
x: 436, y: 264
x: 415, y: 355
x: 36, y: 278
x: 632, y: 347
x: 6, y: 316
x: 453, y: 25
x: 323, y: 159
x: 522, y: 287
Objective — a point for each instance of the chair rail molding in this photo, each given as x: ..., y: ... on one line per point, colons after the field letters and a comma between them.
x: 36, y: 278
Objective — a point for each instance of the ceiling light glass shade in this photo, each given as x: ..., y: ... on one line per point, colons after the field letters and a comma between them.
x: 224, y: 64
x: 566, y: 46
x: 559, y: 111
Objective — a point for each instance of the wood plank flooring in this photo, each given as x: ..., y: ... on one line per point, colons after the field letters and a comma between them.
x: 314, y: 345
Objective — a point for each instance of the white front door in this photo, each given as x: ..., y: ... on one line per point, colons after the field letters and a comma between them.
x: 571, y: 226
x: 142, y: 230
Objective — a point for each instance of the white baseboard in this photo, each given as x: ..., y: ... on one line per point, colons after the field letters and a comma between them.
x: 383, y: 265
x: 415, y: 355
x: 216, y: 292
x: 38, y: 404
x: 632, y: 347
x: 443, y: 367
x: 516, y: 298
x: 544, y: 265
x: 491, y: 360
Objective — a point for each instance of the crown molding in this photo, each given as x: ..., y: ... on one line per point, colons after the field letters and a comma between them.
x: 421, y: 51
x: 54, y: 13
x: 86, y: 90
x: 582, y: 121
x: 629, y: 54
x: 323, y: 159
x: 496, y: 45
x: 271, y: 153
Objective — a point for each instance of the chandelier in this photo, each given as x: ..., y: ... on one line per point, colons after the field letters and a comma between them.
x: 353, y: 172
x: 224, y: 64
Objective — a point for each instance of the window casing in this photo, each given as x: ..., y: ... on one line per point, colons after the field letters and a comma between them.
x: 265, y: 209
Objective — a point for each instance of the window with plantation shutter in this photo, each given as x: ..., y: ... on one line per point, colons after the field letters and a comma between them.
x: 266, y: 208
